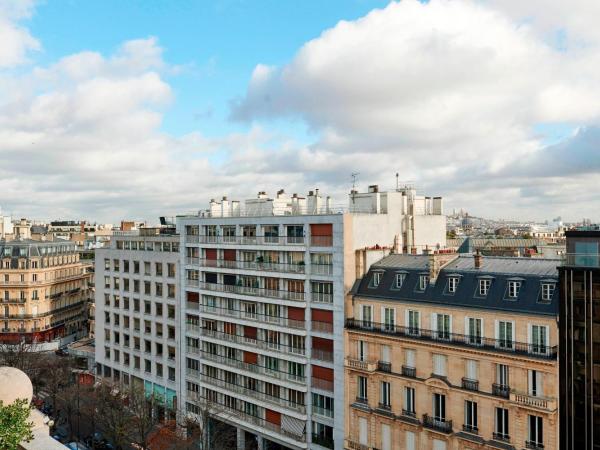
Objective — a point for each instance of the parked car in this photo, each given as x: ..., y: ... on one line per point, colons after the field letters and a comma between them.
x: 77, y: 446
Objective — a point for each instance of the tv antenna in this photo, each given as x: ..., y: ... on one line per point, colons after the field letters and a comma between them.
x: 354, y: 176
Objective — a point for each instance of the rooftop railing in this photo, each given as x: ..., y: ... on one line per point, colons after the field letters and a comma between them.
x: 247, y: 290
x: 484, y: 343
x: 581, y: 260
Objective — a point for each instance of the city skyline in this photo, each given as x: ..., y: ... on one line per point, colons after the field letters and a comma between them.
x: 111, y: 111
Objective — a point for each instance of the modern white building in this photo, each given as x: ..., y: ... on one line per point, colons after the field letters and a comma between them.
x: 264, y: 284
x: 137, y: 308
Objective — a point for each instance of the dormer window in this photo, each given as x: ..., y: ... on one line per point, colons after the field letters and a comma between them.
x: 513, y: 288
x: 452, y: 284
x: 376, y: 279
x: 547, y: 291
x: 423, y: 282
x: 400, y: 277
x: 484, y: 286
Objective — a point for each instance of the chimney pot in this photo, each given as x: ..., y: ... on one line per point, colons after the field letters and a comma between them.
x: 477, y: 260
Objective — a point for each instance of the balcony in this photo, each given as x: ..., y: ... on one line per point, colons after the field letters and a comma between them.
x: 501, y: 437
x: 253, y: 368
x: 409, y: 371
x: 255, y: 317
x: 254, y: 394
x: 470, y: 429
x: 471, y: 385
x: 362, y: 400
x: 252, y: 265
x: 247, y: 240
x: 384, y: 366
x: 531, y: 401
x: 252, y: 422
x: 384, y: 406
x: 322, y: 355
x: 500, y: 390
x: 358, y: 364
x: 323, y: 441
x: 442, y: 425
x: 246, y: 290
x: 322, y: 327
x: 253, y: 343
x: 324, y: 385
x: 353, y: 445
x: 407, y: 413
x: 534, y: 445
x: 324, y: 412
x: 321, y: 297
x: 321, y: 241
x: 483, y: 343
x: 321, y: 269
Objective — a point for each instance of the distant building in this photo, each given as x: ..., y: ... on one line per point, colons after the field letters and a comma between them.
x: 45, y: 290
x: 137, y: 312
x: 580, y: 342
x: 265, y: 285
x: 450, y: 352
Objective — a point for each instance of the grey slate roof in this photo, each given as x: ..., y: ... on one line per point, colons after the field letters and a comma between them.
x: 530, y: 271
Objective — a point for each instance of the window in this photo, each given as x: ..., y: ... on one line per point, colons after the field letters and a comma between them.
x: 547, y: 291
x: 504, y: 334
x: 423, y: 282
x: 439, y: 407
x: 474, y: 330
x: 501, y: 424
x: 538, y: 339
x: 389, y: 319
x: 410, y: 440
x: 409, y: 401
x: 534, y: 382
x: 513, y: 288
x: 484, y: 286
x: 171, y: 270
x: 400, y: 277
x: 376, y: 279
x: 362, y: 388
x: 452, y: 284
x: 536, y: 431
x: 323, y: 405
x: 439, y: 365
x: 441, y: 324
x: 409, y: 358
x: 363, y: 431
x: 362, y: 351
x: 366, y: 315
x: 158, y: 269
x: 386, y: 437
x: 471, y: 369
x: 502, y: 375
x: 413, y: 322
x: 385, y: 396
x: 470, y: 416
x: 386, y: 352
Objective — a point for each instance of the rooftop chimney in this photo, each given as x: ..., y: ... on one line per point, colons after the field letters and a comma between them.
x: 477, y: 260
x: 374, y: 188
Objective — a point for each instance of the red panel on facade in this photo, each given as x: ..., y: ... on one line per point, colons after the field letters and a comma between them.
x: 321, y: 229
x: 273, y: 416
x: 229, y: 255
x: 322, y: 344
x: 193, y: 297
x: 321, y: 315
x: 296, y: 313
x: 211, y: 253
x: 322, y: 373
x: 250, y: 332
x: 250, y: 358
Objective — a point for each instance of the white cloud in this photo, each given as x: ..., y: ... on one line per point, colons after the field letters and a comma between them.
x: 15, y: 40
x: 445, y: 92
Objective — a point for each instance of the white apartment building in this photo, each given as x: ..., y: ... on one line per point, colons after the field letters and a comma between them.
x: 264, y: 286
x: 137, y: 308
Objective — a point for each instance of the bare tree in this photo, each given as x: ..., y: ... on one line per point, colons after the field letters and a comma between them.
x: 113, y: 416
x: 144, y: 414
x: 54, y: 374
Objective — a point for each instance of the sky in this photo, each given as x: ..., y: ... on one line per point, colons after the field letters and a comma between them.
x: 112, y: 109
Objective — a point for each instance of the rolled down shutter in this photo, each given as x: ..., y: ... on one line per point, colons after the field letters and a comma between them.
x: 295, y: 313
x: 322, y: 373
x: 386, y: 437
x: 410, y: 440
x: 321, y: 315
x: 250, y: 358
x: 363, y: 431
x: 273, y: 416
x: 322, y: 344
x: 250, y: 332
x: 193, y: 297
x: 229, y: 255
x: 211, y: 253
x: 321, y: 229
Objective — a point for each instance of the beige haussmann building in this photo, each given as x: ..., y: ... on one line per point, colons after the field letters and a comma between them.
x: 453, y: 352
x: 44, y: 291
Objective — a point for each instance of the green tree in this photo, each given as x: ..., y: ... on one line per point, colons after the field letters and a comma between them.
x: 14, y: 424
